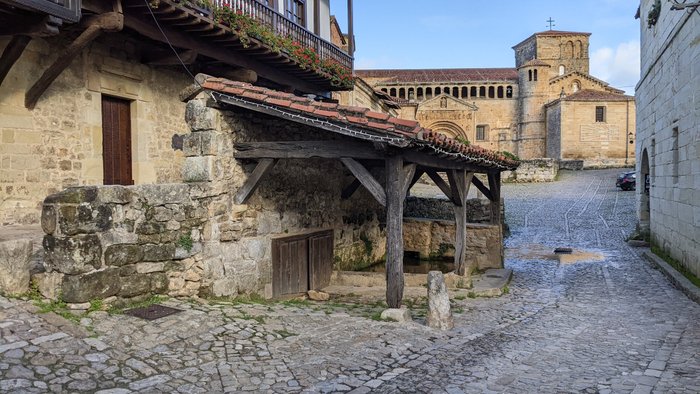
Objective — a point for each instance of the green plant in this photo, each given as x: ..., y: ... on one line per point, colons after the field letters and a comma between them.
x: 675, y: 264
x: 440, y: 253
x: 185, y: 242
x: 369, y: 247
x: 95, y: 305
x: 471, y: 294
x: 510, y: 155
x: 463, y: 140
x: 460, y: 297
x: 118, y: 310
x: 506, y: 289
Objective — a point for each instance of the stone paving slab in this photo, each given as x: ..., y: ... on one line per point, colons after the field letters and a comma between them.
x: 594, y: 326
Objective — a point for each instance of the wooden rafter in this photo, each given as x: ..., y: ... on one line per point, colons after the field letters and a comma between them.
x: 305, y: 150
x: 495, y: 186
x: 483, y: 189
x: 264, y: 166
x: 109, y: 22
x: 350, y: 189
x: 366, y: 179
x: 11, y: 54
x: 440, y: 183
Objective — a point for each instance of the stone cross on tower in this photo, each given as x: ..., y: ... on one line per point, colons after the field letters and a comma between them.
x: 551, y: 23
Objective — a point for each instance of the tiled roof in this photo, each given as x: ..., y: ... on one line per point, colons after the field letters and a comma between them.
x: 442, y: 75
x: 561, y: 33
x: 358, y: 122
x: 596, y: 95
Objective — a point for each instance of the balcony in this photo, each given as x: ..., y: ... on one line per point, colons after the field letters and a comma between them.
x: 276, y: 48
x: 67, y: 10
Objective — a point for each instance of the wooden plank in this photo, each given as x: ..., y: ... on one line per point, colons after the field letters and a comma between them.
x: 460, y: 181
x: 110, y: 22
x: 440, y: 183
x: 244, y: 193
x: 485, y: 191
x: 367, y: 180
x: 305, y: 150
x: 350, y: 189
x: 408, y: 172
x: 495, y: 186
x: 455, y: 185
x: 425, y: 159
x: 320, y: 260
x: 394, y: 231
x: 12, y: 53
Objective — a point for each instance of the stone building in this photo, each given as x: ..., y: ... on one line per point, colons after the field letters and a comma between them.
x: 668, y: 129
x: 89, y: 94
x: 548, y: 105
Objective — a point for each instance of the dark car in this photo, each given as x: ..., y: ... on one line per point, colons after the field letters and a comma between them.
x: 626, y: 180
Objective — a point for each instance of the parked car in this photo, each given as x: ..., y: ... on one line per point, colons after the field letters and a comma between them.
x: 626, y: 180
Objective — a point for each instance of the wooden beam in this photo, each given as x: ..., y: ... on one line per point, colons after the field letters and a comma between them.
x: 12, y: 53
x: 460, y: 181
x: 186, y: 41
x: 367, y: 180
x: 431, y: 161
x: 486, y: 192
x: 419, y: 173
x: 394, y: 231
x: 169, y: 58
x: 305, y: 150
x: 109, y: 22
x: 439, y: 182
x: 350, y: 189
x: 495, y: 186
x: 264, y: 166
x: 409, y: 171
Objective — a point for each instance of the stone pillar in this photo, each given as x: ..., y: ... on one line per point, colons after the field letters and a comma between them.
x: 439, y: 310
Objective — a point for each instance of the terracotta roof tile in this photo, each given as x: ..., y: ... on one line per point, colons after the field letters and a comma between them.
x: 597, y: 95
x: 362, y: 118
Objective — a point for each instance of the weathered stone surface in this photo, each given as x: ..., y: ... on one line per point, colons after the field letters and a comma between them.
x: 439, y: 309
x: 95, y: 285
x: 73, y: 195
x: 48, y: 219
x: 75, y: 255
x: 200, y: 117
x: 114, y: 194
x: 15, y: 265
x: 161, y: 194
x: 158, y: 252
x: 119, y: 255
x: 198, y: 169
x: 159, y: 282
x: 147, y: 268
x: 400, y: 315
x: 318, y: 295
x: 134, y: 285
x: 49, y: 284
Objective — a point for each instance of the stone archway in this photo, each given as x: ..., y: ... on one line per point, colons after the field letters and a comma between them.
x: 643, y: 190
x: 448, y: 128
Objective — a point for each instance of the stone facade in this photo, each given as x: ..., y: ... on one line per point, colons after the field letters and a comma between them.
x: 535, y: 170
x: 58, y: 144
x: 506, y: 109
x: 668, y: 147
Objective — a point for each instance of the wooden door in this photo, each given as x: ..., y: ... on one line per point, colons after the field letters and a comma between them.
x: 116, y: 141
x: 320, y: 260
x: 290, y: 270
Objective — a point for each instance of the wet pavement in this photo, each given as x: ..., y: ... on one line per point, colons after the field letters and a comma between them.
x: 602, y: 321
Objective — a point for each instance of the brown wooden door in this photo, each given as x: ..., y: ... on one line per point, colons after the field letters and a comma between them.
x: 302, y: 262
x: 290, y: 271
x: 116, y: 141
x: 320, y: 260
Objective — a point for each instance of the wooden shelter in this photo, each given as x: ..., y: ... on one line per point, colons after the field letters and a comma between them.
x: 404, y: 150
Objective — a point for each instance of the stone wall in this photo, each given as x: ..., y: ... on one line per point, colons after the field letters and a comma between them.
x: 668, y: 147
x: 434, y: 239
x: 478, y: 209
x: 58, y: 144
x: 536, y: 170
x: 117, y: 241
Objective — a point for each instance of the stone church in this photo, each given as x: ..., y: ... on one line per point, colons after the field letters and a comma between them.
x: 547, y: 106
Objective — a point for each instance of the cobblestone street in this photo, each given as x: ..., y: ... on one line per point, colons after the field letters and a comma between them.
x: 600, y: 320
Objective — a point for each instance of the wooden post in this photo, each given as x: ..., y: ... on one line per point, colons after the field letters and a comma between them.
x: 394, y: 231
x: 495, y: 186
x: 460, y: 181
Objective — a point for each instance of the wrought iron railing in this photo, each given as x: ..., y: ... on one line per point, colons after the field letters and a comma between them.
x: 285, y: 27
x: 68, y: 10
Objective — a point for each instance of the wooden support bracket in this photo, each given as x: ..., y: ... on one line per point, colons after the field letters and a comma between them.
x: 264, y: 166
x: 350, y: 189
x: 12, y: 52
x: 495, y: 186
x: 485, y: 191
x: 440, y: 183
x: 367, y: 180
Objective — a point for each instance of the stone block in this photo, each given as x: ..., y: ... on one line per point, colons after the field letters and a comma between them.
x: 48, y: 219
x: 74, y: 255
x: 192, y: 144
x: 400, y: 315
x: 147, y: 268
x: 155, y: 252
x: 84, y: 218
x: 318, y: 295
x: 134, y: 285
x: 198, y: 169
x: 95, y: 285
x: 161, y: 194
x: 224, y: 287
x: 209, y: 143
x: 439, y: 309
x: 114, y: 194
x: 73, y: 195
x: 119, y: 255
x: 15, y: 266
x: 200, y: 117
x: 159, y: 282
x: 49, y: 284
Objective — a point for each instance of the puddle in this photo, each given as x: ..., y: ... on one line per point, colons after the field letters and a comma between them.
x: 413, y: 265
x: 542, y: 252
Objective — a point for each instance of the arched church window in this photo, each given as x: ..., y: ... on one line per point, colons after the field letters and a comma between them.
x: 392, y: 92
x: 500, y: 92
x: 385, y: 90
x: 402, y: 93
x: 534, y: 75
x: 438, y: 91
x: 576, y: 86
x: 482, y: 91
x: 455, y: 92
x: 529, y: 75
x: 411, y: 94
x: 509, y: 92
x: 419, y: 94
x: 428, y: 93
x: 465, y: 92
x: 472, y: 91
x: 492, y: 92
x: 562, y: 70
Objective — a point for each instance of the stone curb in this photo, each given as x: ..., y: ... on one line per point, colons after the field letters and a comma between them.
x: 678, y: 280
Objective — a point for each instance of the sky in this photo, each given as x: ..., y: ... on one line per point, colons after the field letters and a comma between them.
x: 470, y: 33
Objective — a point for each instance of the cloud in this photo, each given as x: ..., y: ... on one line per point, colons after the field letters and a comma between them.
x: 618, y: 66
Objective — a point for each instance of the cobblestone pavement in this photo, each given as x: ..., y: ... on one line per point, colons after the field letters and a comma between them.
x: 600, y: 320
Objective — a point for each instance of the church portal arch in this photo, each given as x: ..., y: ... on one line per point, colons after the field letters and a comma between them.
x: 448, y: 128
